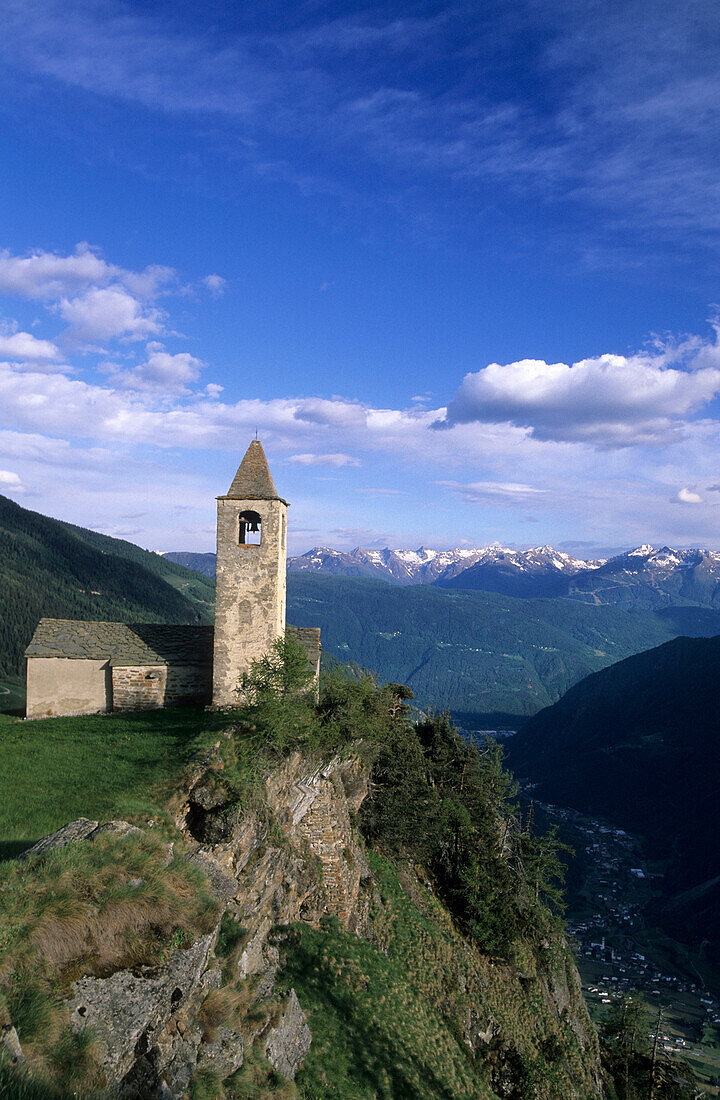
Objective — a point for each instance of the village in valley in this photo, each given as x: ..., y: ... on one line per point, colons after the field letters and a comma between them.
x: 611, y: 889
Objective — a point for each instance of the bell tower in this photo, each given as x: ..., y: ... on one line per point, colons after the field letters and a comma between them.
x: 250, y: 586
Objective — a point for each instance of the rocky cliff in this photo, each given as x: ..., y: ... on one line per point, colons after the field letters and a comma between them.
x: 264, y: 950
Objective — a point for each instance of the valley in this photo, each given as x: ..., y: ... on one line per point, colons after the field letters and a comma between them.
x: 612, y: 891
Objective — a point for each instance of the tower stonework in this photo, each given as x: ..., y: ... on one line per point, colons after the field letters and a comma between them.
x: 250, y: 586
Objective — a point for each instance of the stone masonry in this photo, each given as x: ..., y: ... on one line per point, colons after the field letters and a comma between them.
x: 250, y: 592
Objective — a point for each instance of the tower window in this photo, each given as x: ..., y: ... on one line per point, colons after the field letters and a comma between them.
x: 249, y: 529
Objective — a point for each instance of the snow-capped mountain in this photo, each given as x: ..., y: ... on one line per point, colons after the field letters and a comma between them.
x: 650, y: 576
x: 647, y: 576
x: 425, y: 566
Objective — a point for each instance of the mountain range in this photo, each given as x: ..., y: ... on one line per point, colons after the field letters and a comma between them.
x: 645, y: 577
x: 484, y: 655
x: 425, y: 566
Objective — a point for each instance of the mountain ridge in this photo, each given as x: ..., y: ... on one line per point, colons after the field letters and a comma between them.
x: 645, y: 576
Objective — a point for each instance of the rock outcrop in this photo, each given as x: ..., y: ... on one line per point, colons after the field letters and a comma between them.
x: 214, y: 998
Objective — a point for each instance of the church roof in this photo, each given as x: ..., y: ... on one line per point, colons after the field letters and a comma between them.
x: 123, y: 643
x: 253, y: 481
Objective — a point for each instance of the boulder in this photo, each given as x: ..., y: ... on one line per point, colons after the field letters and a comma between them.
x: 287, y: 1044
x: 75, y: 830
x: 125, y: 1009
x: 10, y: 1048
x: 224, y: 1053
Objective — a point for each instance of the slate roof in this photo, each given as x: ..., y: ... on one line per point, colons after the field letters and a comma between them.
x: 123, y: 643
x: 253, y: 481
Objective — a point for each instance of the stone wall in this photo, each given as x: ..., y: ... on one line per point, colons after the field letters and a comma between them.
x: 65, y: 685
x: 144, y: 687
x: 327, y: 830
x: 309, y: 638
x: 250, y: 592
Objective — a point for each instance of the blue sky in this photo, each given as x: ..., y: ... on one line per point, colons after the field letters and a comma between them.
x: 457, y: 263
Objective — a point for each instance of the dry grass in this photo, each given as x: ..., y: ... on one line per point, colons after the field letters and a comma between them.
x: 222, y: 1007
x: 92, y: 907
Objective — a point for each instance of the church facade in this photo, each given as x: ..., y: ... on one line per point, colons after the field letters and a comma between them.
x: 83, y: 667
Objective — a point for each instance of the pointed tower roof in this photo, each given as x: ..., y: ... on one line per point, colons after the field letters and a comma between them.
x: 253, y: 481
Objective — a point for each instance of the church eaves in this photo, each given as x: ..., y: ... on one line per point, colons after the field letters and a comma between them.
x: 253, y: 481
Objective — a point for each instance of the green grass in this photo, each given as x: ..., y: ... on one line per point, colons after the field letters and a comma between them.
x: 373, y: 1034
x: 98, y: 766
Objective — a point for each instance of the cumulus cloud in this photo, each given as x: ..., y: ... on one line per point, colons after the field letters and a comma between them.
x: 688, y: 496
x: 50, y: 276
x: 171, y: 374
x: 108, y: 313
x: 23, y: 347
x: 337, y: 459
x: 608, y: 401
x: 10, y: 482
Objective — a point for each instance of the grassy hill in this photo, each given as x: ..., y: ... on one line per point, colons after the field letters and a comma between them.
x: 132, y: 758
x: 478, y: 652
x: 398, y: 1002
x: 50, y: 568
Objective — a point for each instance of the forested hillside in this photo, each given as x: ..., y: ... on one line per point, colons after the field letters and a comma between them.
x: 638, y: 743
x: 478, y: 652
x: 50, y: 568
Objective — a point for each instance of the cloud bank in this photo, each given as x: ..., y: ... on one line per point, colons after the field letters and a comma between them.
x: 91, y: 407
x: 608, y: 401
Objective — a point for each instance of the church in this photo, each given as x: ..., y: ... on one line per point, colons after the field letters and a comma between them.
x: 81, y: 667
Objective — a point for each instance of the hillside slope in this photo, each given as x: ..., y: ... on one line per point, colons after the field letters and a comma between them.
x: 201, y: 563
x: 478, y: 652
x: 308, y: 932
x: 639, y: 743
x: 50, y: 568
x: 199, y: 590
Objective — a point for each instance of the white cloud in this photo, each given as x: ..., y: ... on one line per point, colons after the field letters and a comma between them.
x: 688, y: 496
x: 608, y: 401
x: 22, y: 346
x: 165, y: 372
x: 483, y: 492
x: 337, y: 459
x: 108, y: 313
x: 10, y: 482
x: 333, y: 413
x: 215, y: 284
x: 49, y: 276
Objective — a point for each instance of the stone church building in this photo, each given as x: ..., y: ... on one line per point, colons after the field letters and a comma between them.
x: 78, y: 667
